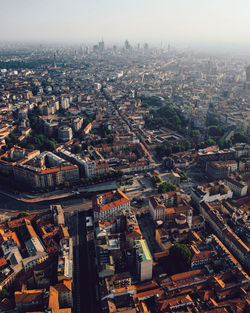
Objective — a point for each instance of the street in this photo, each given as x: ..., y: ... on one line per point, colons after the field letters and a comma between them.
x: 84, y: 266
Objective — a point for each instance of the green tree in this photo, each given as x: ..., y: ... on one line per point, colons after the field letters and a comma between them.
x: 78, y: 149
x: 241, y: 137
x: 4, y: 293
x: 221, y: 143
x: 195, y: 133
x: 165, y: 187
x: 11, y: 140
x: 212, y: 120
x: 156, y: 179
x: 166, y: 116
x: 50, y: 145
x: 31, y: 147
x: 163, y: 150
x: 210, y: 142
x: 229, y: 143
x: 66, y: 184
x: 188, y: 145
x: 183, y: 175
x: 181, y: 253
x: 176, y: 148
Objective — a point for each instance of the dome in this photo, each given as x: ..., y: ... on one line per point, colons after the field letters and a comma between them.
x: 180, y: 219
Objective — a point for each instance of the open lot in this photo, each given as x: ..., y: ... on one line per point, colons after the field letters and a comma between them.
x: 141, y: 187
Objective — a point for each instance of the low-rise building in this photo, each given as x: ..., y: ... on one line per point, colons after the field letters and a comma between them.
x: 238, y: 248
x: 110, y: 204
x: 159, y: 203
x: 214, y: 154
x: 239, y: 188
x: 65, y: 260
x: 44, y: 178
x: 64, y: 290
x: 30, y: 300
x: 58, y: 214
x: 211, y: 192
x: 221, y: 169
x: 65, y: 133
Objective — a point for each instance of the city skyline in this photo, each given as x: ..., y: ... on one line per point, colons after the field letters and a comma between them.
x: 213, y: 23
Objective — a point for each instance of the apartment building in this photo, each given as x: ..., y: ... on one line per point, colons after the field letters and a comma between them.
x: 211, y: 192
x: 109, y: 204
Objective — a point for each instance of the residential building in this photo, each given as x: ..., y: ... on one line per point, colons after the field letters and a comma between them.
x: 239, y: 188
x: 221, y: 169
x: 65, y: 133
x: 211, y: 192
x: 110, y: 204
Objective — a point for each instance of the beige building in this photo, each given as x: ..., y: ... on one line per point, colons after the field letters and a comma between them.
x: 144, y: 261
x: 64, y: 290
x: 238, y: 188
x: 109, y: 204
x: 65, y: 133
x: 39, y: 178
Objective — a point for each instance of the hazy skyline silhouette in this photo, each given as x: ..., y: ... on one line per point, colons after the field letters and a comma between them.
x: 189, y: 21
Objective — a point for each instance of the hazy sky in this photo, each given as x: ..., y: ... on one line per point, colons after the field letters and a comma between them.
x: 208, y: 21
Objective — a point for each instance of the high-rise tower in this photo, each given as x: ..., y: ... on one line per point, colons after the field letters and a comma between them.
x: 247, y: 84
x: 248, y: 74
x: 189, y: 218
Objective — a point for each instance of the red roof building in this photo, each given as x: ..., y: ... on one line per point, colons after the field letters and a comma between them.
x: 109, y: 204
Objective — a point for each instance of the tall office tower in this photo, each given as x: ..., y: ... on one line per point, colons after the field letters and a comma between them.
x: 86, y: 50
x: 145, y: 46
x: 127, y: 45
x: 248, y: 74
x: 247, y: 84
x: 101, y: 46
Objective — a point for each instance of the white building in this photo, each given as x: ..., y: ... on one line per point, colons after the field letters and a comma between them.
x: 64, y: 103
x: 239, y: 189
x: 144, y: 261
x: 65, y: 133
x: 211, y: 192
x: 34, y: 245
x: 109, y: 204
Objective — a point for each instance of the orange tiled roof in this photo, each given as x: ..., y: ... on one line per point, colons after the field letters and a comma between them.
x: 101, y: 165
x: 18, y: 222
x: 28, y: 296
x: 3, y: 262
x: 149, y: 293
x: 64, y: 231
x: 65, y: 286
x: 58, y: 169
x: 121, y: 199
x: 5, y: 236
x: 53, y: 298
x: 30, y: 228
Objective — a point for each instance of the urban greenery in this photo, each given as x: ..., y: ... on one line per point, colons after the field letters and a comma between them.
x: 241, y: 137
x: 4, y: 292
x: 166, y: 116
x: 181, y: 253
x: 183, y: 175
x: 156, y: 179
x: 165, y: 187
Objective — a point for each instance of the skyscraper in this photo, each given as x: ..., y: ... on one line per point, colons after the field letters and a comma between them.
x: 248, y: 74
x: 101, y: 46
x: 127, y: 45
x: 247, y: 83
